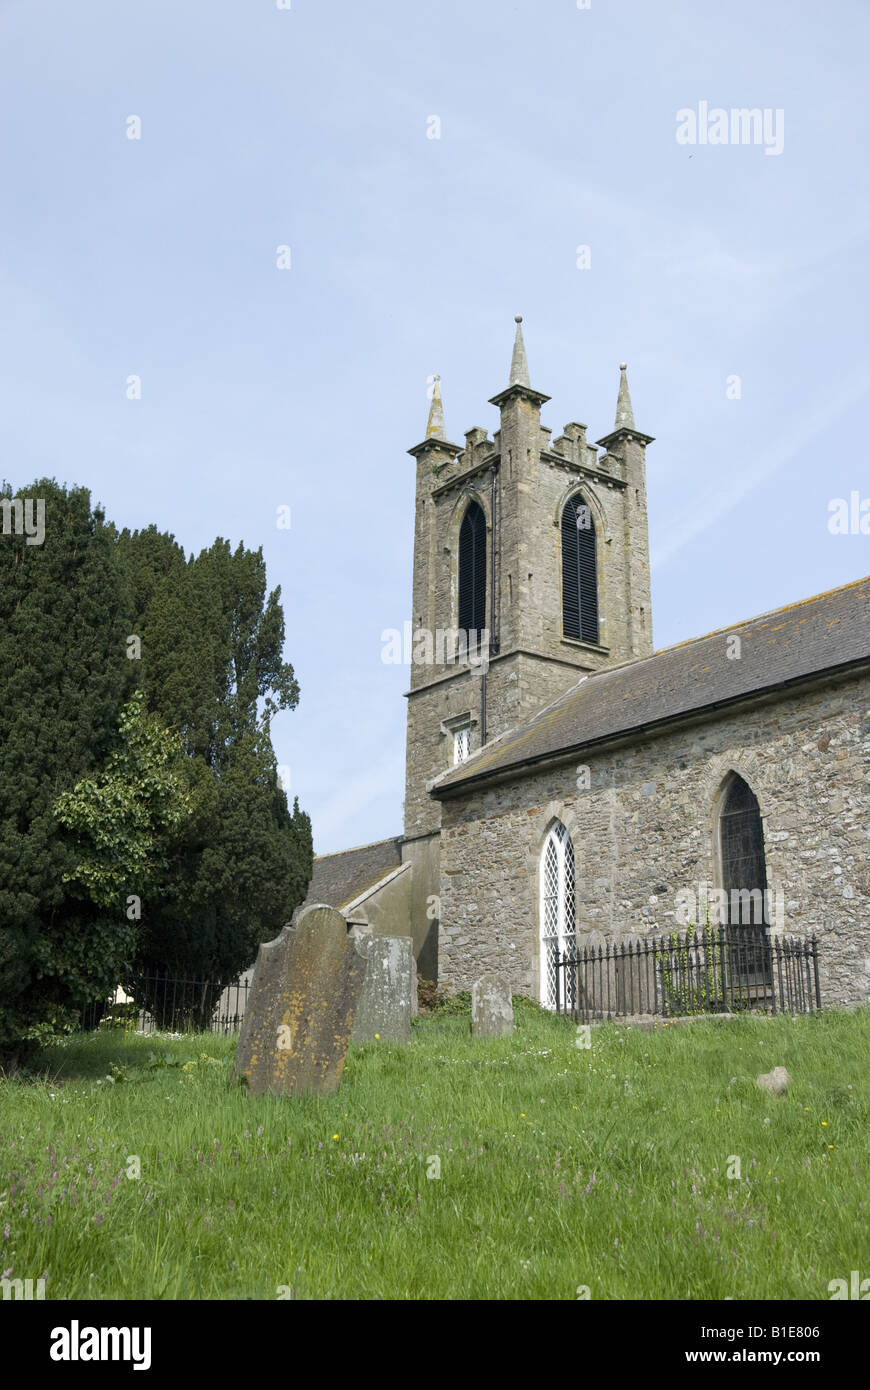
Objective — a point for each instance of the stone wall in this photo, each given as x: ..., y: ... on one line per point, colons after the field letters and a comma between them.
x: 646, y: 828
x: 385, y: 908
x: 424, y: 857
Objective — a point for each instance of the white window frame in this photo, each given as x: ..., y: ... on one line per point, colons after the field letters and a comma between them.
x: 557, y: 910
x: 461, y: 745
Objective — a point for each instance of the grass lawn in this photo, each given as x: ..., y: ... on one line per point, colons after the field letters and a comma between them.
x: 560, y: 1167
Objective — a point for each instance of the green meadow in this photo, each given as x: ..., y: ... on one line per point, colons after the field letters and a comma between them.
x: 521, y: 1168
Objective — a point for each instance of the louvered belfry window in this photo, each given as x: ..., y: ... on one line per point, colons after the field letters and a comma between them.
x: 472, y: 570
x: 579, y: 572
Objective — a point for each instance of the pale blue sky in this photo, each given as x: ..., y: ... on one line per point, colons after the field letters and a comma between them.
x: 262, y: 387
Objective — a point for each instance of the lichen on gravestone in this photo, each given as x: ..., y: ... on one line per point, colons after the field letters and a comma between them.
x: 302, y: 1006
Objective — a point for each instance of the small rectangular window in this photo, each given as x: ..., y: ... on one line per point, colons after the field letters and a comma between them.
x: 461, y: 745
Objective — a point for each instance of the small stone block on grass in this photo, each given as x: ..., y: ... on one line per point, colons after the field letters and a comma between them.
x: 774, y: 1082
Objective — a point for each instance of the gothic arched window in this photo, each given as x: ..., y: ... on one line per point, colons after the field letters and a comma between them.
x: 579, y: 572
x: 744, y: 879
x: 741, y: 839
x: 472, y: 570
x: 557, y: 912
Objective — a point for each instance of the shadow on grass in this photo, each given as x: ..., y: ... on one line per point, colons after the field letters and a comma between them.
x: 91, y: 1056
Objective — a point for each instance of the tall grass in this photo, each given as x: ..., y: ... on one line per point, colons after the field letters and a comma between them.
x: 561, y: 1168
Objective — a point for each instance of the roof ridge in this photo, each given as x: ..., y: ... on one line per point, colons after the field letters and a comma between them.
x: 336, y: 853
x: 769, y: 613
x: 717, y: 631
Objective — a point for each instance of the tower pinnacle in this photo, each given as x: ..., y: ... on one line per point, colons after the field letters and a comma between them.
x: 435, y: 427
x: 519, y: 386
x: 519, y: 365
x: 624, y: 428
x: 624, y: 412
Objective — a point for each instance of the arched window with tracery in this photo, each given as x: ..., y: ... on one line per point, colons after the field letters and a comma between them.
x: 744, y: 879
x: 579, y: 572
x: 557, y: 912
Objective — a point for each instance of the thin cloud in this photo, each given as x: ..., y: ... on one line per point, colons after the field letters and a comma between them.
x: 694, y: 521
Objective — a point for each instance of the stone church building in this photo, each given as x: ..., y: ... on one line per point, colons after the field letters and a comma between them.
x: 565, y: 781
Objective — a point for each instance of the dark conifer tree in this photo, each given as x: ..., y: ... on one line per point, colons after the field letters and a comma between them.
x: 212, y: 669
x: 237, y: 862
x: 64, y: 675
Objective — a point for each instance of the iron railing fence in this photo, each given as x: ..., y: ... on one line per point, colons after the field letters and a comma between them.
x: 151, y: 1002
x: 713, y: 970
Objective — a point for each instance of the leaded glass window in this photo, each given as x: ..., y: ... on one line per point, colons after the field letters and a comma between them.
x: 558, y: 914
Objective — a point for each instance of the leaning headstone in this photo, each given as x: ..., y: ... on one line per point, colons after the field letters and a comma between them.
x: 492, y: 1013
x: 387, y: 998
x: 774, y: 1082
x: 301, y: 1008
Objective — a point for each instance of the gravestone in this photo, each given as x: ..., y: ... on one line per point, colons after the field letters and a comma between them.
x: 492, y: 1013
x: 387, y: 998
x: 301, y: 1008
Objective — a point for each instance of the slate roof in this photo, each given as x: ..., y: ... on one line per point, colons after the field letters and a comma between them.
x: 804, y: 640
x: 339, y: 878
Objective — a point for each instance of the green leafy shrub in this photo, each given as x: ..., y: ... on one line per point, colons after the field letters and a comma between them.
x: 688, y: 988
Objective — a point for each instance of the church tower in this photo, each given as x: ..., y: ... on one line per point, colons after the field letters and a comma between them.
x: 531, y: 570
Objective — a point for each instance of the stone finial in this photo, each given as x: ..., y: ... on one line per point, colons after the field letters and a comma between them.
x: 519, y: 365
x: 624, y: 412
x: 624, y: 430
x: 519, y: 386
x: 435, y: 428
